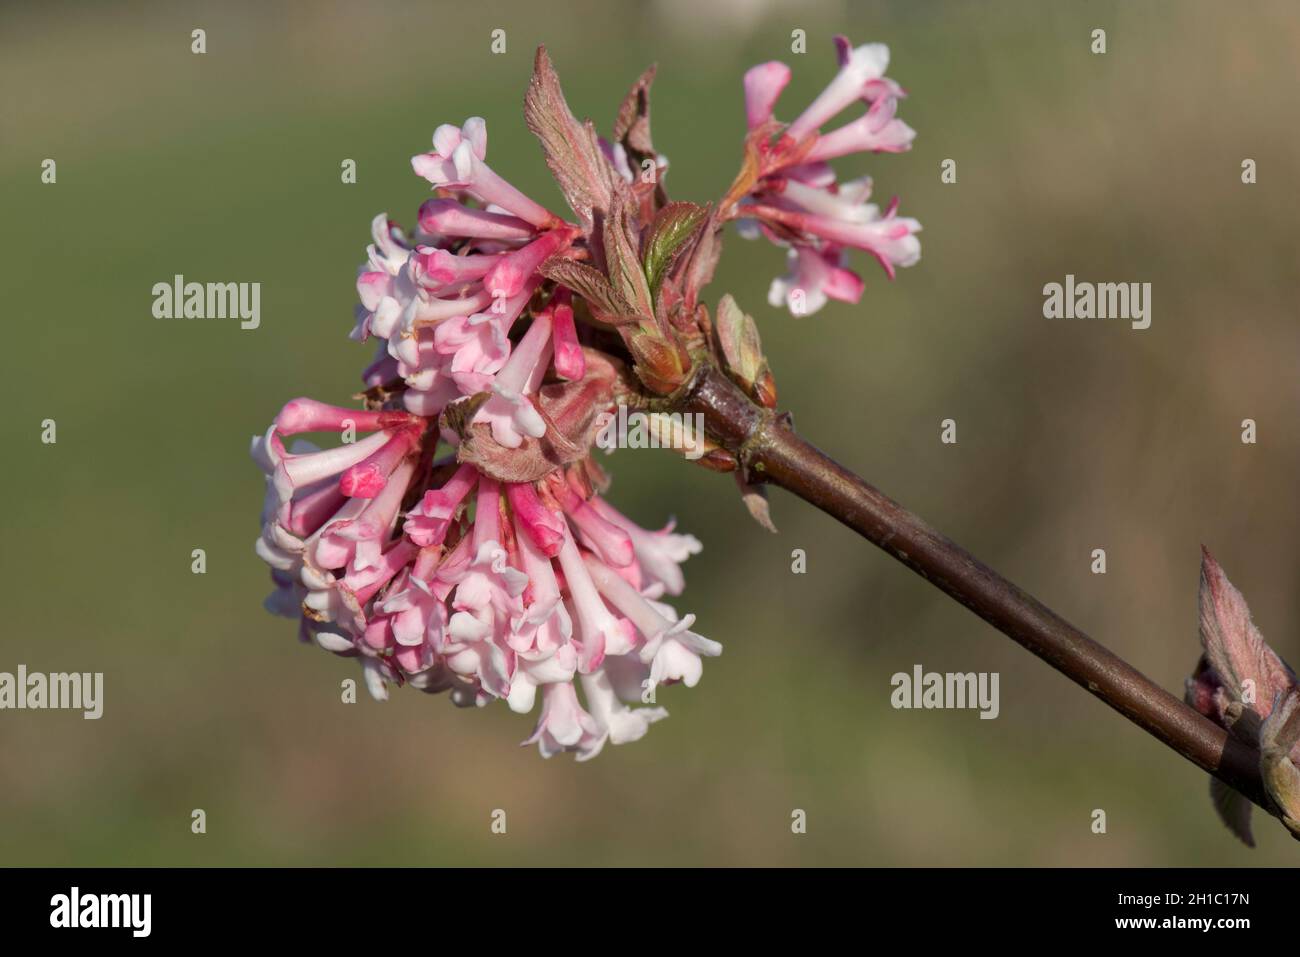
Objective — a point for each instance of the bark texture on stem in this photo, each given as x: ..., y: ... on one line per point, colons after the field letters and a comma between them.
x: 772, y: 452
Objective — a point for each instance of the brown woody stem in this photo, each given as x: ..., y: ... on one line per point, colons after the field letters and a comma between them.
x: 770, y: 451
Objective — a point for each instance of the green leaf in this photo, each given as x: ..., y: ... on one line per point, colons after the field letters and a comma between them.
x: 668, y: 237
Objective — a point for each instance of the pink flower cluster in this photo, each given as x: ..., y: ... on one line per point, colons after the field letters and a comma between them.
x: 430, y: 571
x: 796, y: 199
x: 442, y: 308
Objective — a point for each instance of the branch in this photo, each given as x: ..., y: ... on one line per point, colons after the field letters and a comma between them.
x: 771, y: 451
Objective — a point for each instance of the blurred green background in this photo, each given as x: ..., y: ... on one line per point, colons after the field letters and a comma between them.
x: 1119, y: 167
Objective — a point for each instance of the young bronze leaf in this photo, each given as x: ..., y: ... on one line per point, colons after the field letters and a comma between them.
x: 625, y: 272
x: 738, y: 339
x: 1236, y: 650
x: 571, y: 148
x: 657, y: 364
x: 588, y: 283
x: 632, y: 127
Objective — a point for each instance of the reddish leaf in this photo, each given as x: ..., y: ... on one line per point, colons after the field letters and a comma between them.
x: 589, y: 283
x: 621, y: 258
x: 1249, y: 669
x: 569, y: 409
x: 571, y: 148
x: 632, y: 127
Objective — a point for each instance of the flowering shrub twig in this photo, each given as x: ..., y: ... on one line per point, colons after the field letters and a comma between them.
x: 504, y: 332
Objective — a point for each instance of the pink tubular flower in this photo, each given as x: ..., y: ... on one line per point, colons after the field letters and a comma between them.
x: 598, y: 533
x: 618, y: 723
x: 600, y: 631
x: 544, y: 528
x: 659, y: 555
x: 357, y: 543
x: 861, y: 77
x: 763, y: 86
x: 453, y: 220
x: 892, y: 240
x: 510, y: 412
x: 565, y: 726
x: 363, y: 467
x: 569, y: 360
x: 428, y: 522
x: 510, y: 272
x: 795, y: 199
x: 457, y: 161
x: 876, y: 131
x: 816, y: 275
x: 672, y: 651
